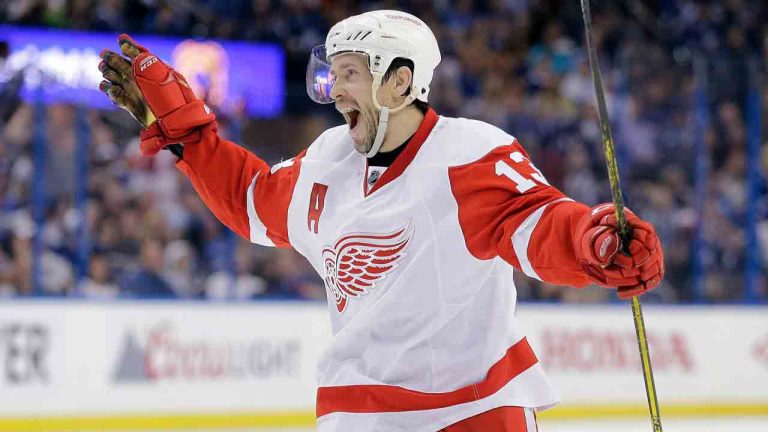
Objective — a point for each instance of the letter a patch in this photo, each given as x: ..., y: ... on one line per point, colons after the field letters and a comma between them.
x: 316, y: 204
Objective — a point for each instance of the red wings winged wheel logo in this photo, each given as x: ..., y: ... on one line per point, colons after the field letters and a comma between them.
x: 357, y: 262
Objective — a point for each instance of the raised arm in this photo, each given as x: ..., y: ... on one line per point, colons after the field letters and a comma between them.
x: 239, y: 188
x: 242, y: 190
x: 508, y: 209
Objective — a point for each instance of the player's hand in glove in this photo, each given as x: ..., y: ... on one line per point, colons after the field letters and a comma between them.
x: 150, y: 89
x: 599, y: 251
x: 120, y: 85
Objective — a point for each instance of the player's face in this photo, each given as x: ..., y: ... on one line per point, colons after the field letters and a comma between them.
x: 352, y: 93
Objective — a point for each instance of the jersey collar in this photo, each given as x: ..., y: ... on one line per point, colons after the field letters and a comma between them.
x: 407, y: 155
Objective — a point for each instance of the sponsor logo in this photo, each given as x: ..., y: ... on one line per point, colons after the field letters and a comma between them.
x: 403, y: 18
x: 24, y: 353
x: 164, y: 355
x: 147, y: 62
x: 598, y: 350
x: 358, y: 262
x: 373, y: 177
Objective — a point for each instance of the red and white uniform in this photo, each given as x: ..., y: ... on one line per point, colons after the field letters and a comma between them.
x: 417, y: 266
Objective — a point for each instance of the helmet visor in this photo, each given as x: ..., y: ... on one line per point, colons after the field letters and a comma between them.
x: 319, y: 78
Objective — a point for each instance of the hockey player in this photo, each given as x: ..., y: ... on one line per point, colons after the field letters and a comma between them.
x: 414, y: 221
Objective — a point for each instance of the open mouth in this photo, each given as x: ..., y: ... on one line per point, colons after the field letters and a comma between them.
x: 352, y: 117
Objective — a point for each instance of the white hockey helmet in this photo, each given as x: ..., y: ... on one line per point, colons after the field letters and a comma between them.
x: 382, y: 36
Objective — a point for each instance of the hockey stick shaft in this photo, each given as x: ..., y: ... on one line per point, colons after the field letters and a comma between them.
x: 618, y: 200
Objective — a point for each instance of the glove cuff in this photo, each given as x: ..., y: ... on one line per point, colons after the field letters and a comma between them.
x: 178, y: 123
x: 153, y: 138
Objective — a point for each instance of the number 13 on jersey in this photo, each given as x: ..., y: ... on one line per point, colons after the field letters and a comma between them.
x: 522, y: 183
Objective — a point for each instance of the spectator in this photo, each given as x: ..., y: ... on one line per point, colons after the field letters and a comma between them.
x: 242, y: 285
x: 147, y: 280
x: 98, y: 284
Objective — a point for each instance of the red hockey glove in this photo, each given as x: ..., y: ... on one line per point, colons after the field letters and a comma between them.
x: 598, y: 249
x: 178, y: 111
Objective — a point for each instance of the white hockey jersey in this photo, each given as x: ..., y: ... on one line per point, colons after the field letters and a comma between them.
x: 416, y: 266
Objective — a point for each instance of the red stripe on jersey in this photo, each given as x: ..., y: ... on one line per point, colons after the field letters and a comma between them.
x: 221, y: 171
x: 383, y: 398
x: 496, y: 194
x: 406, y: 157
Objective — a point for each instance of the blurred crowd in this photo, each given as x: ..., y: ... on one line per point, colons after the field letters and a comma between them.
x: 518, y: 64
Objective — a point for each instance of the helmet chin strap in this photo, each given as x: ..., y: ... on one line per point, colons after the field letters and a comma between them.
x: 384, y: 113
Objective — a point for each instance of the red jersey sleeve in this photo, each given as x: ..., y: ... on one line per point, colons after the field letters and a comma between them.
x: 507, y: 209
x: 241, y: 190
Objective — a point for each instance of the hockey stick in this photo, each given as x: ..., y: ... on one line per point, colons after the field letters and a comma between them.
x: 618, y: 200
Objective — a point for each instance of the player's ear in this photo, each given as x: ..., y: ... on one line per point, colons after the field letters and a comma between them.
x: 403, y: 79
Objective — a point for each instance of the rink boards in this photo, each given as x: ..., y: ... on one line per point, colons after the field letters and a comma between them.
x: 158, y: 365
